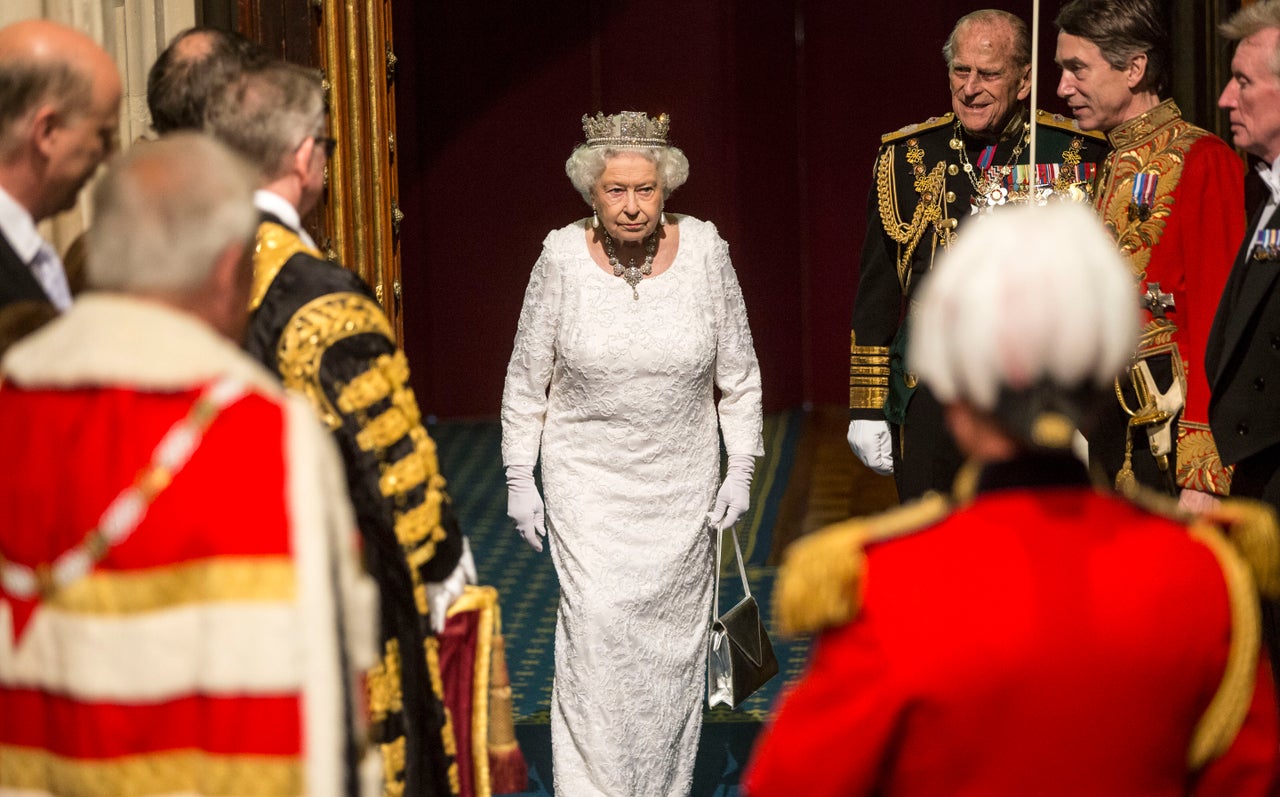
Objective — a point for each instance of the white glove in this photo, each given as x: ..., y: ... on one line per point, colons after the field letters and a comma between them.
x: 524, y: 505
x: 442, y: 594
x: 735, y: 492
x: 872, y: 444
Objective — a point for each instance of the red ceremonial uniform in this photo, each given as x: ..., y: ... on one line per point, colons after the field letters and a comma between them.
x: 1173, y: 196
x: 210, y: 650
x: 1044, y: 640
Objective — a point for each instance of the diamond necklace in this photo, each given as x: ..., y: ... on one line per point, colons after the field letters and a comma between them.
x: 632, y: 273
x: 983, y: 187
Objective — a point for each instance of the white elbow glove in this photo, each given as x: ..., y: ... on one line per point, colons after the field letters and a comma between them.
x: 441, y: 595
x: 872, y: 444
x: 524, y: 505
x: 735, y: 492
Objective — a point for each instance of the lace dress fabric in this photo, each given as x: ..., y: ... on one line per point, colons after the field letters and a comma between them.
x: 618, y: 394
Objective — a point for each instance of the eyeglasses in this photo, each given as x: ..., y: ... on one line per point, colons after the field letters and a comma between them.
x: 328, y: 142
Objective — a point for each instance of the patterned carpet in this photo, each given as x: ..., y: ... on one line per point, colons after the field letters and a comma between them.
x: 470, y: 458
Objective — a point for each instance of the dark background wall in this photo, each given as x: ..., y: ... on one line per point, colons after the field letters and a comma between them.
x: 779, y: 106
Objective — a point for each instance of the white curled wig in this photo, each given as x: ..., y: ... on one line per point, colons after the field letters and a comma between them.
x: 1029, y: 298
x: 586, y: 164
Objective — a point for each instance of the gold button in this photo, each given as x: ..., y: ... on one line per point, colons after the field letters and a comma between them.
x: 951, y: 197
x: 953, y: 170
x: 909, y: 379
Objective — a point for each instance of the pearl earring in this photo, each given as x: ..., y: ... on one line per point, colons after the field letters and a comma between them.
x: 595, y: 218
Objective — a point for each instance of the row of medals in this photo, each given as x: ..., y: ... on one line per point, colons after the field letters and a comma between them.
x: 991, y: 184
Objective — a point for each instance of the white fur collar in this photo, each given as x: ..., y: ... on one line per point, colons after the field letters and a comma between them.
x: 117, y: 339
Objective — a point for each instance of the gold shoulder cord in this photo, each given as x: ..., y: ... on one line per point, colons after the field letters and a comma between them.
x: 928, y: 208
x: 313, y: 330
x: 1224, y: 717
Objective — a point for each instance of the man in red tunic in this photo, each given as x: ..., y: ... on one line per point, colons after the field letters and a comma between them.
x: 1046, y: 637
x: 1172, y: 195
x: 181, y: 608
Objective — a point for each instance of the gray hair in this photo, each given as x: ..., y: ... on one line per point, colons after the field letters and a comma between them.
x: 266, y: 112
x: 992, y: 16
x: 164, y: 212
x: 1254, y: 19
x: 586, y: 164
x: 27, y: 83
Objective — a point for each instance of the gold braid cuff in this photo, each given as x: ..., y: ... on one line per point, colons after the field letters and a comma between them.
x: 1199, y: 466
x: 868, y: 375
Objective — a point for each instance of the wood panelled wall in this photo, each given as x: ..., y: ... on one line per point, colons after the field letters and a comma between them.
x: 358, y: 220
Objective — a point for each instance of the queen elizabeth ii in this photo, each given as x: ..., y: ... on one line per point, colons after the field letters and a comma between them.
x: 632, y: 320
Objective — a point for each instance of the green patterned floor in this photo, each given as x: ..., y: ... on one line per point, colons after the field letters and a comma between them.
x: 470, y: 458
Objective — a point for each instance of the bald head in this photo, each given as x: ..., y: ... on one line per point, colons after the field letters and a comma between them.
x: 197, y: 63
x: 59, y: 113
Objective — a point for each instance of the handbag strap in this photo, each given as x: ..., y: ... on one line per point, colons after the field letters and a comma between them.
x: 742, y: 571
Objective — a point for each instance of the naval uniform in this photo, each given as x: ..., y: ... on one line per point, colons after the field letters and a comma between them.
x: 921, y: 193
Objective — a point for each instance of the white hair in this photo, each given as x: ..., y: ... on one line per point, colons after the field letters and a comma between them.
x: 1027, y: 296
x: 165, y: 211
x: 586, y: 164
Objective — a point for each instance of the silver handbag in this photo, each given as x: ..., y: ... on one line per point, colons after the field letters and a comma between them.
x: 740, y: 657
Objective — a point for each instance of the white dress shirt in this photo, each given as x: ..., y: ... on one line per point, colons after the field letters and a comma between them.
x: 1271, y: 179
x: 278, y: 206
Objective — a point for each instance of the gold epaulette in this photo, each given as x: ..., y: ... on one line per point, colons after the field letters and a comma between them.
x: 910, y: 130
x: 273, y: 246
x: 820, y: 582
x: 1060, y: 122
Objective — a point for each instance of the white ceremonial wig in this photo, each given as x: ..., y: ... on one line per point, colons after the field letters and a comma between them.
x: 1028, y: 298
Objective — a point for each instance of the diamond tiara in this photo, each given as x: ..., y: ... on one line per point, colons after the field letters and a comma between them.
x: 626, y: 129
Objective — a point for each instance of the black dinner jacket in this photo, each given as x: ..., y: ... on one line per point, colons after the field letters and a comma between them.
x: 1242, y: 356
x: 24, y: 306
x: 17, y: 283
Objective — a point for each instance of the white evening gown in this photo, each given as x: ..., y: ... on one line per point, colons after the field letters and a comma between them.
x: 630, y: 467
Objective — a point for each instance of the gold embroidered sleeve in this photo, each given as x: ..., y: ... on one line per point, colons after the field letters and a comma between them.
x: 312, y: 331
x: 868, y: 375
x: 387, y: 413
x: 1199, y: 466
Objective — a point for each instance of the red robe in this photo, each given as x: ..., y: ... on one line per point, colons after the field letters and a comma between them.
x: 212, y: 650
x: 1045, y: 641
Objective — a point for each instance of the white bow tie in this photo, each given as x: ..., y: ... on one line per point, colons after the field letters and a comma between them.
x: 1271, y: 179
